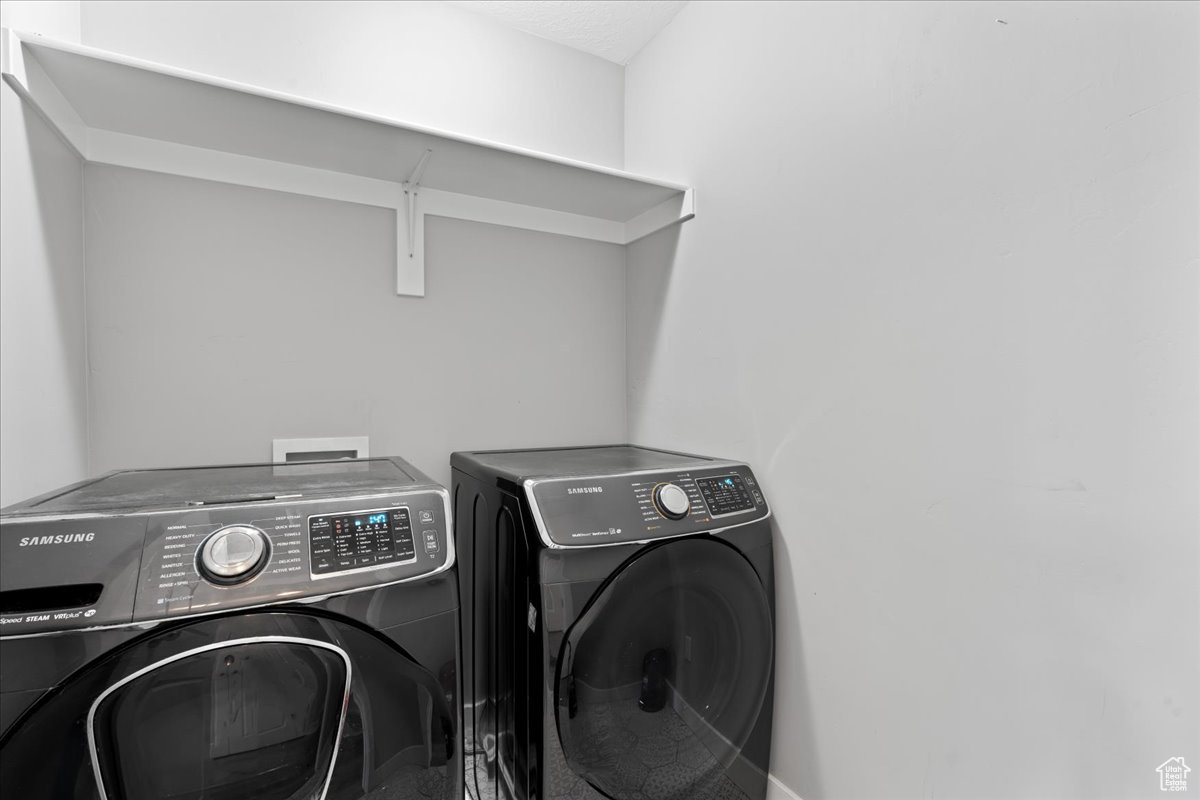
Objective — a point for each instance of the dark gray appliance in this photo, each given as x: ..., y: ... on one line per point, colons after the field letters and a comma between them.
x: 618, y: 625
x: 271, y: 631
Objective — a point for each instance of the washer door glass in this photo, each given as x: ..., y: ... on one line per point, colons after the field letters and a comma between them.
x: 662, y: 678
x: 262, y: 706
x: 248, y: 718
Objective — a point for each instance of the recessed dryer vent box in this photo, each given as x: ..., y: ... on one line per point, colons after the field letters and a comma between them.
x: 322, y: 449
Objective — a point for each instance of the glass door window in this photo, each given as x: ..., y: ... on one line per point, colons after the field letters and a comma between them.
x: 663, y: 676
x: 273, y: 706
x: 249, y: 718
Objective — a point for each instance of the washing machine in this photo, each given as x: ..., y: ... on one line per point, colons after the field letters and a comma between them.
x: 618, y: 625
x: 261, y: 632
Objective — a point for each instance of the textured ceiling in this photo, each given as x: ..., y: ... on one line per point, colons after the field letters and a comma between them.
x: 612, y: 29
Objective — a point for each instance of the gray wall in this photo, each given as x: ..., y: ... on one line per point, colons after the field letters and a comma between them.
x: 211, y: 305
x: 43, y: 397
x: 944, y: 274
x: 198, y: 293
x: 221, y: 317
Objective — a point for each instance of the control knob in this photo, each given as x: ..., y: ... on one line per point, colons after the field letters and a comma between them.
x: 671, y: 501
x: 233, y: 554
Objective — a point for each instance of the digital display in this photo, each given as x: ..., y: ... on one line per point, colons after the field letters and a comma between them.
x: 362, y: 540
x: 726, y: 494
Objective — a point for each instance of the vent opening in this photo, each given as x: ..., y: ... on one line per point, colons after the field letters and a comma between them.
x: 321, y: 455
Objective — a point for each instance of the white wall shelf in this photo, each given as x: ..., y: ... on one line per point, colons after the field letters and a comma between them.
x: 113, y: 109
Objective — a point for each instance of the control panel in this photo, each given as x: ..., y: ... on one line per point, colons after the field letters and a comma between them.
x: 726, y: 494
x: 370, y: 539
x: 581, y: 512
x: 202, y: 560
x: 81, y: 572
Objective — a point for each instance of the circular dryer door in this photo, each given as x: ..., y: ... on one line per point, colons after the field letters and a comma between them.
x: 662, y: 678
x: 277, y: 706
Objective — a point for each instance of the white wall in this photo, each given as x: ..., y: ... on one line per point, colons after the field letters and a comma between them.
x: 57, y: 18
x: 423, y: 62
x: 43, y: 402
x: 943, y: 278
x: 221, y: 317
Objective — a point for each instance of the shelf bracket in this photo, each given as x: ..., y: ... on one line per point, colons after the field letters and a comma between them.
x: 412, y: 186
x: 410, y: 271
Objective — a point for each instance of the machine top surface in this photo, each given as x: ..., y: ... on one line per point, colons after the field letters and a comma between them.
x: 519, y: 465
x: 148, y: 489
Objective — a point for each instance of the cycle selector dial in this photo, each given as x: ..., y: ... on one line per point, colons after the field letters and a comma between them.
x: 233, y: 554
x: 671, y: 501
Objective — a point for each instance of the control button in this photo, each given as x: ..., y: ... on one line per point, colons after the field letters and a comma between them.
x: 426, y: 517
x: 431, y: 541
x: 233, y: 554
x: 671, y: 501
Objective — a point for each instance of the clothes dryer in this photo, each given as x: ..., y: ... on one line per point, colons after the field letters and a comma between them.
x: 618, y: 625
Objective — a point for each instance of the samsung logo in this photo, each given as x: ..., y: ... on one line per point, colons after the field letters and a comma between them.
x: 62, y: 538
x: 585, y: 490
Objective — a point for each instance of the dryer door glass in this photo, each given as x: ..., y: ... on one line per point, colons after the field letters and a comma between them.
x: 663, y: 676
x: 271, y: 706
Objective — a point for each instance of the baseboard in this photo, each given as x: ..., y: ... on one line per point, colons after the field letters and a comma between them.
x: 776, y: 790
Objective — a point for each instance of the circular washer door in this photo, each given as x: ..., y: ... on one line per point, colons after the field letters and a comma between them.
x: 270, y: 706
x: 662, y: 678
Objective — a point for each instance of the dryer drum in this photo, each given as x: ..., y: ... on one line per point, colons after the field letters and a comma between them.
x: 683, y: 630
